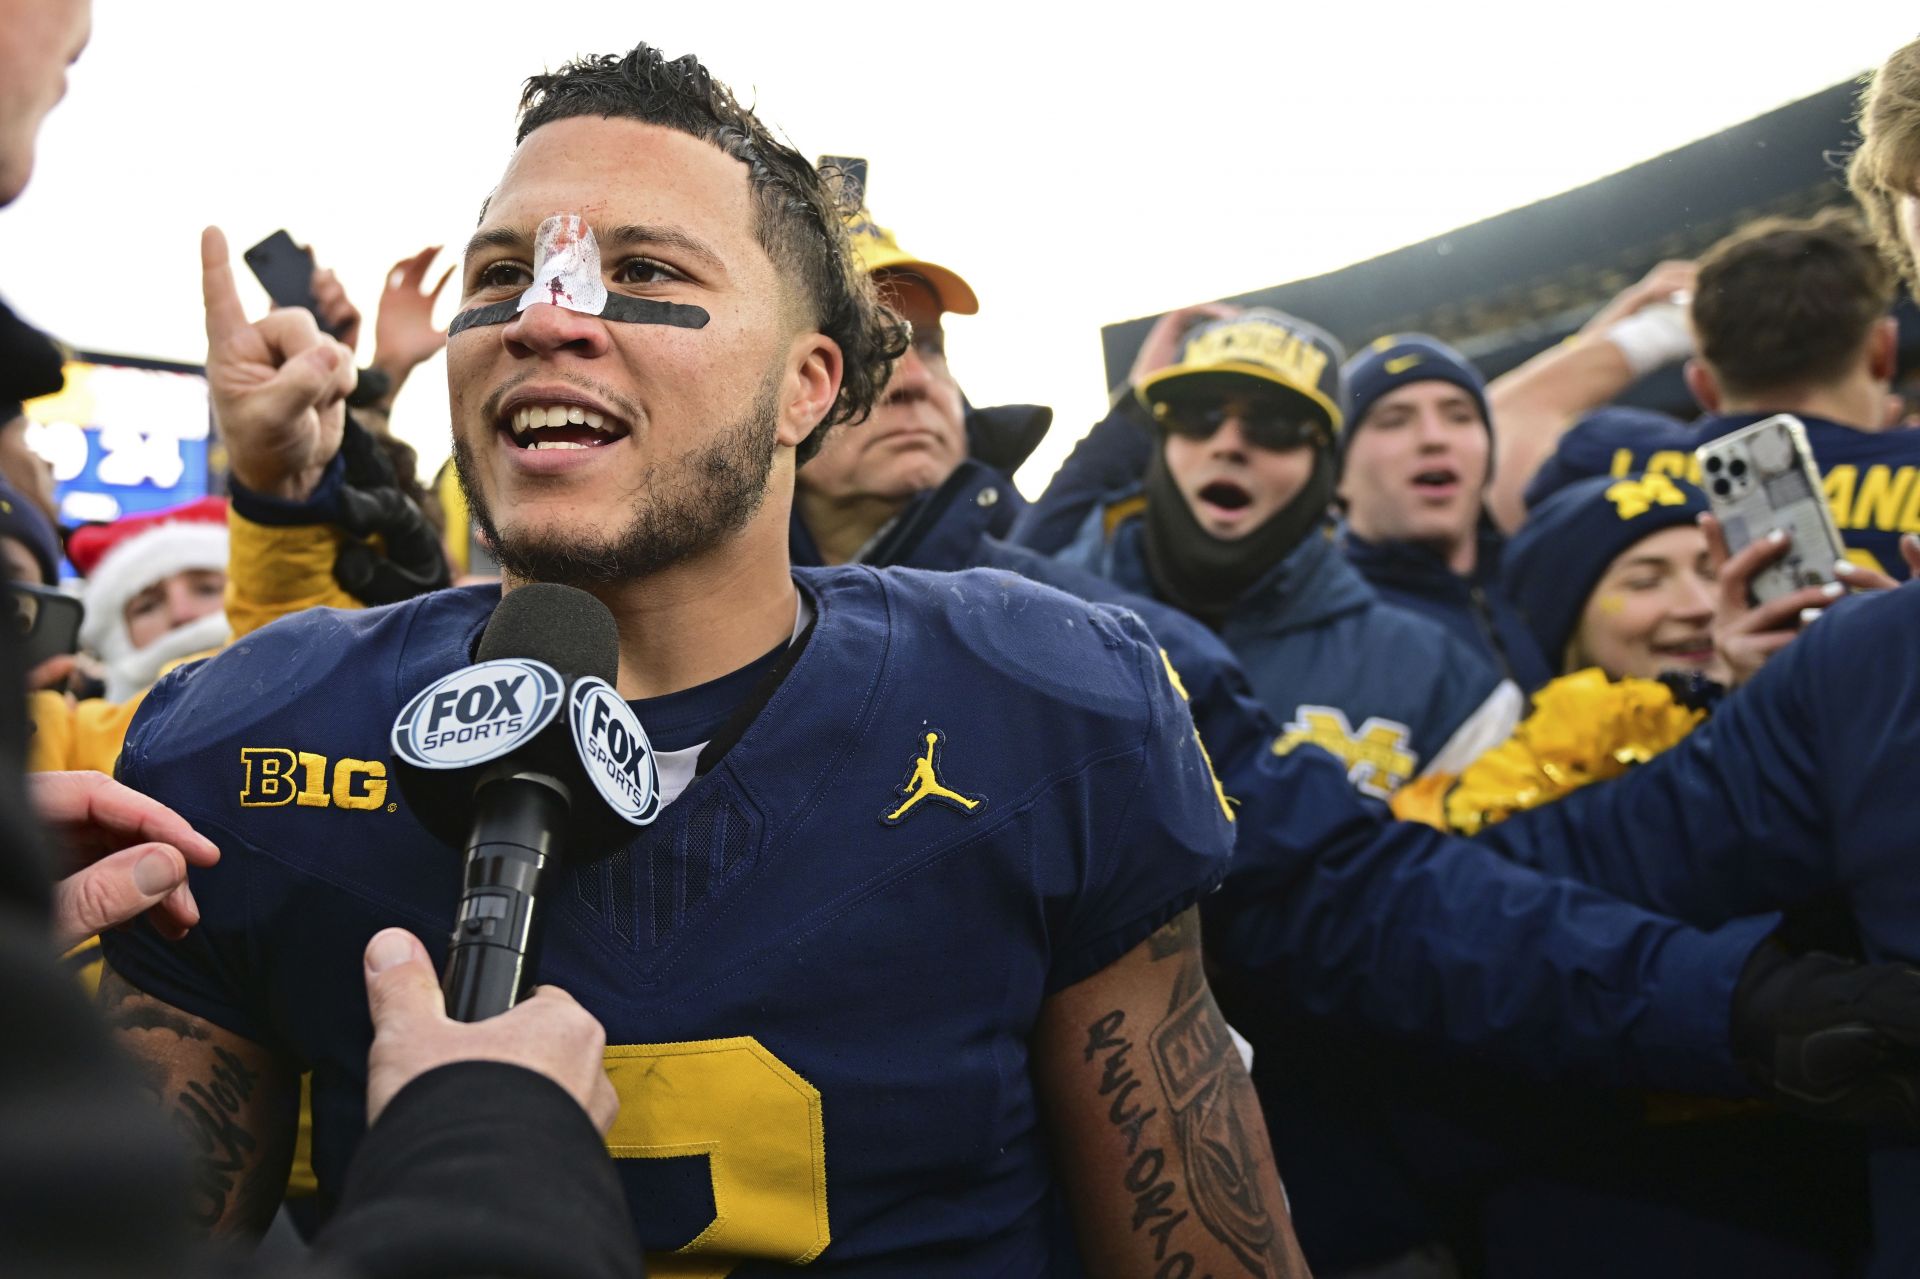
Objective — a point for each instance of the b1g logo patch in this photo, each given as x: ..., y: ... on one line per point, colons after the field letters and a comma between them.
x: 614, y: 750
x: 477, y: 713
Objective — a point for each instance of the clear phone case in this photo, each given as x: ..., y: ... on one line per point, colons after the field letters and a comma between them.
x: 1762, y: 478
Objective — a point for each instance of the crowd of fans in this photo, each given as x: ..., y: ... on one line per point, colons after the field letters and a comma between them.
x: 1558, y: 893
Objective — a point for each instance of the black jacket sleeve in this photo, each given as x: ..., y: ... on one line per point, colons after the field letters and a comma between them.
x: 482, y: 1168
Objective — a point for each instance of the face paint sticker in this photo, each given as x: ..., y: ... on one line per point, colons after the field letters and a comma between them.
x: 566, y: 272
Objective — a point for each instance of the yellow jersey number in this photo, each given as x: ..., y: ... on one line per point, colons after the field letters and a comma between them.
x: 758, y: 1123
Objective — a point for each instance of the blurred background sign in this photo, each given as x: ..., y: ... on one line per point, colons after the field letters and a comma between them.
x: 126, y: 435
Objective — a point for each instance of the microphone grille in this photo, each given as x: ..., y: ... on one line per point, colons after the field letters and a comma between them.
x: 562, y: 626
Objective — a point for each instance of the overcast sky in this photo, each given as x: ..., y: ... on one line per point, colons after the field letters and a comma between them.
x: 1078, y: 164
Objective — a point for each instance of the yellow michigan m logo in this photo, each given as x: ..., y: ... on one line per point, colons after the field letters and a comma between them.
x: 1379, y: 758
x: 1634, y: 498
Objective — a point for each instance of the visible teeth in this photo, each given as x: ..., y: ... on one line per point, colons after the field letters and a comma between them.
x: 536, y: 417
x: 556, y: 444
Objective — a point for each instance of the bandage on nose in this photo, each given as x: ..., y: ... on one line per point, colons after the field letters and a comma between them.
x: 566, y: 273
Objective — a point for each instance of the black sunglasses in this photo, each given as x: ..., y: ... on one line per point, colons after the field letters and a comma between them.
x: 1265, y: 424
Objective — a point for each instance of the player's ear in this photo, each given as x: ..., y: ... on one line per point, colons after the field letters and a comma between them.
x: 807, y: 393
x: 1883, y: 349
x: 1704, y: 385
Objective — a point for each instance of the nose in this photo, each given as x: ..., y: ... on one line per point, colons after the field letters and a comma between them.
x: 1229, y: 440
x: 910, y: 370
x: 183, y: 604
x: 1694, y: 601
x: 1432, y: 432
x: 545, y: 329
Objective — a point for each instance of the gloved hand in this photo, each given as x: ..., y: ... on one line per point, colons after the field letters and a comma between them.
x: 1829, y: 1038
x: 414, y: 563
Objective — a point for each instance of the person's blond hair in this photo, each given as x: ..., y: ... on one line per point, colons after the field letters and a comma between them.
x: 1887, y: 165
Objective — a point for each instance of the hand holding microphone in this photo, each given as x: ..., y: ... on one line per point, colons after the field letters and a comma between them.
x: 548, y: 1033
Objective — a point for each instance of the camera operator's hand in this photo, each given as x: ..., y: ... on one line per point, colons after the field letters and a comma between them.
x: 548, y: 1032
x: 279, y: 386
x: 1829, y: 1038
x: 121, y: 855
x: 404, y: 336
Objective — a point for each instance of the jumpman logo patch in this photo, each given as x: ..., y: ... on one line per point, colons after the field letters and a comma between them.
x: 923, y: 783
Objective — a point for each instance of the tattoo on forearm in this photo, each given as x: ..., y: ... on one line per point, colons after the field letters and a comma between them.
x: 208, y: 1113
x: 1194, y: 1058
x: 235, y: 1176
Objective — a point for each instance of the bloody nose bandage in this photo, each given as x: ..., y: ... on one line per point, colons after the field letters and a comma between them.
x: 566, y: 272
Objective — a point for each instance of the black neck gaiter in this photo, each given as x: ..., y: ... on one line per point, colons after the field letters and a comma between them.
x: 1200, y: 574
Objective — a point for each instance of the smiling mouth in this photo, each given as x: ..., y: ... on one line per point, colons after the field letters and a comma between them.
x: 1692, y: 648
x: 561, y: 426
x: 1226, y: 495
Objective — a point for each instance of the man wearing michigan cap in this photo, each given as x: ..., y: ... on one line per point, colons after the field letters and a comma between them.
x: 1230, y: 525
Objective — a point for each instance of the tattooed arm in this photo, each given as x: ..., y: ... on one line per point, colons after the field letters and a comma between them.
x: 233, y: 1103
x: 1155, y: 1125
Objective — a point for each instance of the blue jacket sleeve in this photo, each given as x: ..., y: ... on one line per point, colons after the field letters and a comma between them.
x: 1423, y: 934
x: 1112, y: 456
x: 1741, y: 816
x: 1419, y: 933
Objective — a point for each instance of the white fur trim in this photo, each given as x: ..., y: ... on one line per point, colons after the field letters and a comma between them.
x: 131, y: 672
x: 136, y: 564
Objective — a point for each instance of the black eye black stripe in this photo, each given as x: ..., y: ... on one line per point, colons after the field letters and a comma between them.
x: 620, y: 308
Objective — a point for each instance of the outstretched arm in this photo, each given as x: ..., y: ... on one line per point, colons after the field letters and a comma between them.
x: 1532, y: 406
x: 1156, y: 1128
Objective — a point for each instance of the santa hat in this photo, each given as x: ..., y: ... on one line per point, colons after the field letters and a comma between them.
x: 121, y: 559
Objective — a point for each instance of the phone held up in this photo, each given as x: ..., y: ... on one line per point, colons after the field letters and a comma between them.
x: 46, y: 620
x: 1762, y: 478
x: 285, y: 271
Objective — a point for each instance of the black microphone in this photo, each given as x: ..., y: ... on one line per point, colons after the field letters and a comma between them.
x: 523, y: 799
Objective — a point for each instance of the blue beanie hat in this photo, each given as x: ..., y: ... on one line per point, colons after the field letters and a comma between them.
x: 1591, y: 444
x: 22, y: 521
x: 1394, y: 361
x: 1563, y: 550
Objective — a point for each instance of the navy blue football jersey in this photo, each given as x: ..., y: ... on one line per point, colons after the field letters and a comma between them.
x: 1872, y: 478
x: 818, y: 969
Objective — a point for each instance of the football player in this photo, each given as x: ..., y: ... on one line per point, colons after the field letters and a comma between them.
x: 917, y: 927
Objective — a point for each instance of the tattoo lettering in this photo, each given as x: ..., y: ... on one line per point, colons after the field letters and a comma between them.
x: 1146, y: 1178
x: 1194, y: 1057
x: 231, y: 1106
x: 209, y: 1112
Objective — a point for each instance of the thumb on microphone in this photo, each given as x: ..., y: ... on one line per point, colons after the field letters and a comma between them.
x: 409, y: 1015
x: 401, y: 986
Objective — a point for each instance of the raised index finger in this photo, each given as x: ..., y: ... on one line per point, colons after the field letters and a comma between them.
x: 225, y: 316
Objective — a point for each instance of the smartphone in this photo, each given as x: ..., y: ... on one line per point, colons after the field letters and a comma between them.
x: 1762, y: 478
x: 47, y: 620
x: 285, y: 271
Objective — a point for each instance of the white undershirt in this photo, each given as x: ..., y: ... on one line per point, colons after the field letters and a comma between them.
x: 676, y: 768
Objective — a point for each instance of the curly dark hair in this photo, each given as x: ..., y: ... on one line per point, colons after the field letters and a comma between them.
x: 798, y: 215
